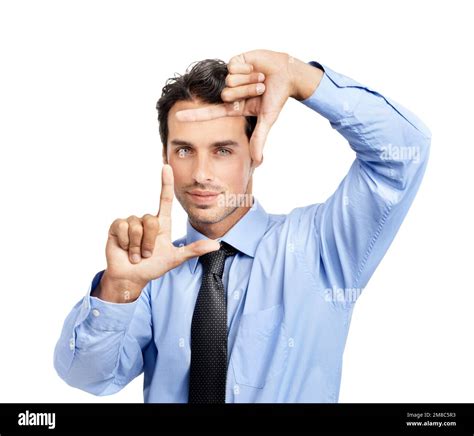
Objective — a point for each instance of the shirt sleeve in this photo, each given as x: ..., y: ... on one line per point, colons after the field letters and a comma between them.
x: 351, y: 231
x: 101, y: 343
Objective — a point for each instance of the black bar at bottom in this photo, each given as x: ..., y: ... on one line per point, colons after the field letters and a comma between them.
x: 397, y: 418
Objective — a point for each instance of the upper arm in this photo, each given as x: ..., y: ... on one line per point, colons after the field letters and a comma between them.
x: 345, y: 238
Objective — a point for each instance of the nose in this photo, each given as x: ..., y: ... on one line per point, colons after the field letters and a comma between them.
x: 202, y: 170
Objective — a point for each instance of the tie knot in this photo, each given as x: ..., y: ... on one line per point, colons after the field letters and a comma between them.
x: 213, y: 262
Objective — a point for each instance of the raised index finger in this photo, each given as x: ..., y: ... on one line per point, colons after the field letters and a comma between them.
x: 167, y: 191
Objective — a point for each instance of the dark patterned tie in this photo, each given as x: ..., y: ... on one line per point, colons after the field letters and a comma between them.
x: 207, y: 380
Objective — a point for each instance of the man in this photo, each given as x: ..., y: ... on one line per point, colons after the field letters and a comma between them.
x: 248, y: 306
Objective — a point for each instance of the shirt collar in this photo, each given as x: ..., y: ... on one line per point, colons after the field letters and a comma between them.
x: 244, y: 235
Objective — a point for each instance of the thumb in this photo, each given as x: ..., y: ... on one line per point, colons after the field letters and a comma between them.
x: 257, y: 141
x: 197, y: 248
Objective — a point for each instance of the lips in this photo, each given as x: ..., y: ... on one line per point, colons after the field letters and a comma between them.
x: 203, y: 197
x: 203, y: 193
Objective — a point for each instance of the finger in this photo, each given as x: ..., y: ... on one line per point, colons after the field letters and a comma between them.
x: 242, y: 92
x: 119, y: 229
x: 240, y: 59
x: 204, y: 113
x: 233, y: 80
x: 135, y: 233
x: 197, y: 248
x: 234, y: 67
x: 167, y: 192
x: 150, y: 231
x: 257, y: 141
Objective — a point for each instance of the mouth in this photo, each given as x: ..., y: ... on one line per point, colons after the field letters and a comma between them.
x: 203, y: 197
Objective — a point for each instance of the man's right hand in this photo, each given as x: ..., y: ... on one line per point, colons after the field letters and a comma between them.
x: 140, y: 249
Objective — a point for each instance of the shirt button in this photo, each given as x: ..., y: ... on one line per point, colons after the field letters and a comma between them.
x: 71, y: 344
x: 96, y: 313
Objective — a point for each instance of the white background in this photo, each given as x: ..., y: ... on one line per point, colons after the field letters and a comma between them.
x: 80, y: 147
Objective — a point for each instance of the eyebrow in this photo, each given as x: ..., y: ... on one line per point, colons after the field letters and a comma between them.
x: 226, y: 143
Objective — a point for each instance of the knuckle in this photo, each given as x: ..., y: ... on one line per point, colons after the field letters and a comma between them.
x: 226, y: 94
x: 133, y: 218
x: 136, y: 233
x: 230, y: 80
x: 154, y: 224
x: 148, y: 246
x: 123, y: 244
x: 116, y: 223
x: 166, y: 198
x: 150, y: 221
x: 122, y: 226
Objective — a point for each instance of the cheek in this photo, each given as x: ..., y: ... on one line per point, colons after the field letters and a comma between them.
x: 180, y: 174
x: 236, y: 179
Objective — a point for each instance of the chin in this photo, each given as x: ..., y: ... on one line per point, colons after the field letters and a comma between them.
x: 205, y: 214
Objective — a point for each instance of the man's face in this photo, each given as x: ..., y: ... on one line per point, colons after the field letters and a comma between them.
x: 208, y: 157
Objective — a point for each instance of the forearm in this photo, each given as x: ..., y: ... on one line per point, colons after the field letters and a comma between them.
x: 93, y: 340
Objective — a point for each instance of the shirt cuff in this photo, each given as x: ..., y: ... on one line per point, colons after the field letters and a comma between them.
x: 104, y: 315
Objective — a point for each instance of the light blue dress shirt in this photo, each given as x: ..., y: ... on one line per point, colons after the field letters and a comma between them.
x: 291, y: 288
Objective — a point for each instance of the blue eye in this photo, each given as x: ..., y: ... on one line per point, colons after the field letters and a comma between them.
x: 182, y: 151
x: 227, y: 152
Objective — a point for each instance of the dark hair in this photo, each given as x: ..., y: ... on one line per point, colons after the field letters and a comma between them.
x: 205, y: 82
